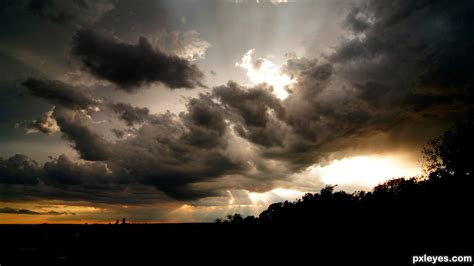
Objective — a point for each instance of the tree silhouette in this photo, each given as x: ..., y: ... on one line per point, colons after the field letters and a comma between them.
x: 452, y: 153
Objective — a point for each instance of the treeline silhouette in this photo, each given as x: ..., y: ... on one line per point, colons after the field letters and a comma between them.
x: 442, y: 197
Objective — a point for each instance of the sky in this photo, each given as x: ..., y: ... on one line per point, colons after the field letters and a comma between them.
x: 186, y: 111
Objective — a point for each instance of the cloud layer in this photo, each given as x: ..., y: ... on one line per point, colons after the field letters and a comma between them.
x: 130, y: 66
x: 9, y: 210
x: 401, y: 72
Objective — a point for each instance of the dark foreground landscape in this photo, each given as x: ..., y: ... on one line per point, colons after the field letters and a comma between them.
x: 149, y: 244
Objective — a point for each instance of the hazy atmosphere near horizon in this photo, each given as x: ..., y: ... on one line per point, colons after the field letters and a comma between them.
x: 186, y: 111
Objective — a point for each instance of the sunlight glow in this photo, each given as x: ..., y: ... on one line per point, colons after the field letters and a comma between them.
x: 263, y: 70
x: 231, y: 198
x: 367, y: 171
x: 275, y: 195
x: 243, y: 202
x: 275, y: 2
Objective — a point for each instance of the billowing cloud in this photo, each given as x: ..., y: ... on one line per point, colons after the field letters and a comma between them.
x: 131, y: 66
x: 19, y: 169
x: 76, y: 127
x: 432, y: 58
x: 71, y: 116
x: 46, y: 124
x: 383, y: 80
x: 416, y: 76
x: 60, y: 93
x: 62, y: 172
x: 130, y: 114
x: 205, y: 122
x: 61, y: 178
x: 174, y: 153
x: 256, y: 113
x: 166, y: 154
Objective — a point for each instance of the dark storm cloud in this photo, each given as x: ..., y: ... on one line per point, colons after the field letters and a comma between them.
x: 19, y: 169
x: 62, y: 172
x: 70, y: 116
x: 68, y: 11
x: 9, y: 210
x: 59, y: 93
x: 49, y: 9
x: 433, y: 51
x: 166, y: 154
x: 61, y: 178
x: 130, y: 66
x: 405, y: 68
x: 415, y: 59
x: 130, y: 114
x: 75, y: 127
x: 251, y: 104
x: 205, y: 122
x: 249, y: 109
x: 93, y: 193
x: 357, y: 21
x: 397, y: 76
